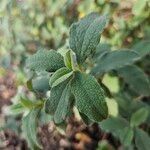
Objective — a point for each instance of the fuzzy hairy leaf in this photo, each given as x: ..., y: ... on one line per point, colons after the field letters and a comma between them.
x: 78, y: 30
x: 142, y: 140
x: 67, y: 59
x: 136, y: 79
x: 63, y: 105
x: 55, y: 95
x: 139, y: 117
x: 29, y: 127
x: 70, y: 60
x: 114, y: 60
x: 62, y: 78
x: 89, y: 97
x: 85, y: 35
x: 45, y: 61
x: 59, y: 76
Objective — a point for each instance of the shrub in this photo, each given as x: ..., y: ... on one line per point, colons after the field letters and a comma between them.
x: 75, y: 76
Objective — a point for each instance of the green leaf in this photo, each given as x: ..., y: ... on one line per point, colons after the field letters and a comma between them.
x: 45, y: 61
x: 119, y: 128
x: 113, y: 124
x: 29, y: 81
x: 89, y: 97
x: 63, y: 105
x: 16, y: 108
x: 114, y: 60
x: 29, y: 84
x: 78, y: 30
x: 101, y: 49
x: 59, y: 76
x: 41, y: 83
x: 29, y: 127
x: 26, y: 102
x: 136, y: 79
x: 127, y: 106
x: 55, y: 95
x: 104, y: 145
x: 71, y: 60
x: 139, y: 117
x: 62, y: 78
x: 85, y: 35
x: 143, y: 48
x: 142, y: 140
x: 67, y: 60
x: 126, y: 136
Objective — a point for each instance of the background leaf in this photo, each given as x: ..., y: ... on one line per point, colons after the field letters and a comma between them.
x: 114, y: 60
x: 126, y: 136
x: 142, y: 140
x: 101, y: 49
x: 119, y: 128
x: 41, y: 83
x: 136, y: 79
x: 29, y: 127
x: 113, y: 124
x: 139, y: 117
x: 142, y: 47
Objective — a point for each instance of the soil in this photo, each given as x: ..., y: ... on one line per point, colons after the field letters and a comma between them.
x: 7, y: 88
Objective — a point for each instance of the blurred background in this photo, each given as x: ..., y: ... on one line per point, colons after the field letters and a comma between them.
x: 27, y: 25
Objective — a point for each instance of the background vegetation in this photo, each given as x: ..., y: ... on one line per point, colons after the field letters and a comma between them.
x: 29, y: 25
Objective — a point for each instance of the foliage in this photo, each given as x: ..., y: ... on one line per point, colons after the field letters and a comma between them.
x: 72, y: 68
